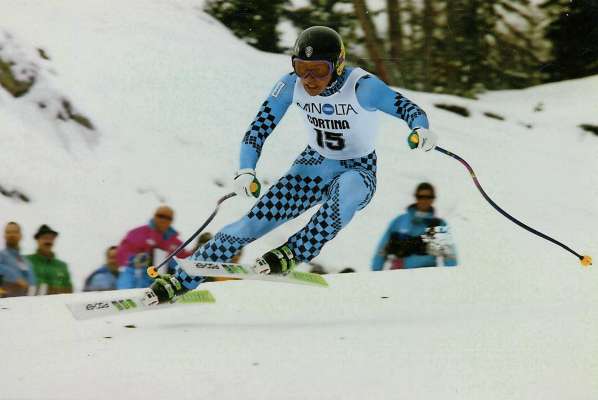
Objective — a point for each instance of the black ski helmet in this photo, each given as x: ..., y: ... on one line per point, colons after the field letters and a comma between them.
x: 321, y: 43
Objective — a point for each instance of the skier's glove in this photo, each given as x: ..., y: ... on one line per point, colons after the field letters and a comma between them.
x: 422, y: 138
x: 246, y: 183
x: 439, y: 242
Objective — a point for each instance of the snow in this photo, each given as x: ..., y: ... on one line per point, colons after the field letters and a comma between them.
x: 515, y: 320
x: 428, y: 334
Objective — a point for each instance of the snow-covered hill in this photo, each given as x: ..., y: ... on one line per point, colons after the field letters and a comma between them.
x: 170, y: 92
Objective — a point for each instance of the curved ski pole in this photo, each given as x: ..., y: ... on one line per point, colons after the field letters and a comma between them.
x: 153, y: 271
x: 583, y: 259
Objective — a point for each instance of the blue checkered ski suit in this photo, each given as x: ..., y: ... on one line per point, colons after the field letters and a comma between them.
x: 339, y: 187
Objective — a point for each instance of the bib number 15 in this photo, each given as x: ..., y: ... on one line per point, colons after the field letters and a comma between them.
x: 330, y: 140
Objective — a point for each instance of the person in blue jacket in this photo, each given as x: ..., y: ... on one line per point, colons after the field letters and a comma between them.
x: 402, y: 242
x: 105, y: 277
x: 16, y: 272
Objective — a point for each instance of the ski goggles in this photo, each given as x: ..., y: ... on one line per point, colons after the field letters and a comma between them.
x: 318, y: 69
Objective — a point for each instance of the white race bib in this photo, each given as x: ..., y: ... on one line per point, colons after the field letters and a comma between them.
x: 338, y: 127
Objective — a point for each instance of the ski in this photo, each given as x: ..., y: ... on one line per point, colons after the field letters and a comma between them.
x: 126, y: 305
x: 245, y: 271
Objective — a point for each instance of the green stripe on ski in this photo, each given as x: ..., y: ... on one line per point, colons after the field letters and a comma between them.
x: 124, y: 304
x: 129, y: 303
x: 235, y: 269
x: 309, y: 278
x: 196, y: 296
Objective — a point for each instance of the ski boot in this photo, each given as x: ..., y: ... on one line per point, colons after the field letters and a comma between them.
x: 164, y: 289
x: 280, y: 260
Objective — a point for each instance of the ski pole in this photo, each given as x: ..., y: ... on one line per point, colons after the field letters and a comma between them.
x: 255, y: 188
x: 583, y: 259
x: 153, y: 271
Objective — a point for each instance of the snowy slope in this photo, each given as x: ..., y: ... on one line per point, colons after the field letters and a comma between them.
x: 424, y: 335
x: 171, y: 92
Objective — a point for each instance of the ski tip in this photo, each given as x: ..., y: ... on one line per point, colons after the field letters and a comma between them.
x: 585, y: 261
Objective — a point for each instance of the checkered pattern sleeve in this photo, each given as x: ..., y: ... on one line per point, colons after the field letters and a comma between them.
x: 373, y: 94
x: 268, y: 116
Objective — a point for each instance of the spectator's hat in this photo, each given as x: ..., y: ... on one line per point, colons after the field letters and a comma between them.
x: 44, y: 229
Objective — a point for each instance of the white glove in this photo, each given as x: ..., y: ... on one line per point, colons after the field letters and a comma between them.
x: 439, y: 242
x: 246, y: 183
x: 423, y: 139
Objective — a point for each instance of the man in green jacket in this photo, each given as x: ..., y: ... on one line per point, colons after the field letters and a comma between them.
x: 51, y: 273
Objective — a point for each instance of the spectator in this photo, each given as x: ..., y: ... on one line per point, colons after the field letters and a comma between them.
x: 16, y: 271
x: 104, y: 278
x: 145, y: 245
x: 51, y: 273
x: 401, y: 244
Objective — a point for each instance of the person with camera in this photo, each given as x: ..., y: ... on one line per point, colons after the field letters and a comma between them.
x: 407, y: 243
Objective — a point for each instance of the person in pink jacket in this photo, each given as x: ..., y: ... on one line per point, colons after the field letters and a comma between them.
x: 138, y: 248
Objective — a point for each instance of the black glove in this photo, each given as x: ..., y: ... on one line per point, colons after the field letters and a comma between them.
x: 432, y: 222
x: 404, y: 245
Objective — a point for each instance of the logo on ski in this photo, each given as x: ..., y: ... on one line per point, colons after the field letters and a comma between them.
x: 96, y: 306
x: 207, y: 266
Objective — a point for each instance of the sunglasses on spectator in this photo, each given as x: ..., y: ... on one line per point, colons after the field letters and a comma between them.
x: 425, y: 196
x: 320, y: 69
x: 162, y: 216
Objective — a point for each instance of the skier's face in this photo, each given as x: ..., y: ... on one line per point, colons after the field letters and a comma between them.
x: 315, y: 75
x: 313, y: 86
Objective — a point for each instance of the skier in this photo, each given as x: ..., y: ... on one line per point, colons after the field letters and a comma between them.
x: 337, y: 169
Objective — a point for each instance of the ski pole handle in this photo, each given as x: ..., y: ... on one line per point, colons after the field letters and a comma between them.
x: 413, y: 140
x: 255, y: 188
x: 152, y: 272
